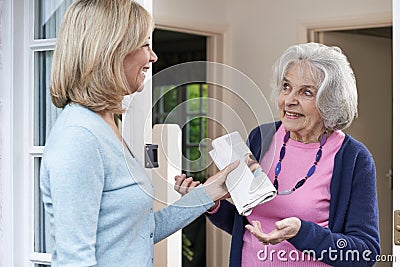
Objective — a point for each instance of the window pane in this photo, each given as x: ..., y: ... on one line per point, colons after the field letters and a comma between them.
x: 197, y: 163
x: 193, y: 153
x: 204, y: 94
x: 204, y: 127
x: 170, y: 100
x: 195, y: 130
x: 42, y: 240
x: 45, y: 112
x: 164, y: 100
x: 193, y: 95
x: 48, y: 16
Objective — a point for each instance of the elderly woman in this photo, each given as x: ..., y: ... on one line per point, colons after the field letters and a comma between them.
x: 326, y: 209
x: 101, y: 211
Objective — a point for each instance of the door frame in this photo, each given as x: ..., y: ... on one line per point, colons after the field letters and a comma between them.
x: 6, y: 133
x: 396, y: 117
x: 308, y: 28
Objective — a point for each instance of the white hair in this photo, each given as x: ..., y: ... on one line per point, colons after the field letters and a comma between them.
x: 336, y: 98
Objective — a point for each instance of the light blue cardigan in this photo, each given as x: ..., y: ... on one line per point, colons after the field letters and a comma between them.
x: 101, y: 211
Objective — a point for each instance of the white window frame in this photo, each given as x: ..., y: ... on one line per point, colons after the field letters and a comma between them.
x: 34, y: 46
x: 14, y: 238
x: 6, y: 135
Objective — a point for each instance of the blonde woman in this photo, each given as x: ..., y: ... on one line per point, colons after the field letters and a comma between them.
x: 101, y: 211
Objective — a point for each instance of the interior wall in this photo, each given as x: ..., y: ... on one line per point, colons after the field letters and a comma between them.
x: 206, y: 14
x: 258, y: 31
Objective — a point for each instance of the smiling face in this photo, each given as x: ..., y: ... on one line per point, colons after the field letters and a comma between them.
x: 136, y: 64
x: 297, y: 104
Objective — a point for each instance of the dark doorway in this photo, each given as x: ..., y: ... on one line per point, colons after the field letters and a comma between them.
x: 173, y: 48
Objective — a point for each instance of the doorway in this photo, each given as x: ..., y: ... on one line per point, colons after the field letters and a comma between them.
x: 175, y: 48
x: 369, y: 52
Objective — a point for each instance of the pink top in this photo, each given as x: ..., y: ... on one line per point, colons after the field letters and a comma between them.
x: 310, y: 202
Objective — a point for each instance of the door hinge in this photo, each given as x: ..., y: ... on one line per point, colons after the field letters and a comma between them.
x: 396, y: 227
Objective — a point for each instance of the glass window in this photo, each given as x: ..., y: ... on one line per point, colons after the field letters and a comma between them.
x: 42, y: 240
x: 45, y: 113
x: 193, y: 121
x: 47, y: 20
x: 48, y: 16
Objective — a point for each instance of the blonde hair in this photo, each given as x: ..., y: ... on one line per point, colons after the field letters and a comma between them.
x: 94, y: 38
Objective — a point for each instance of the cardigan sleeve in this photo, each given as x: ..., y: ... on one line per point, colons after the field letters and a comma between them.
x: 224, y: 217
x: 352, y: 238
x: 179, y: 214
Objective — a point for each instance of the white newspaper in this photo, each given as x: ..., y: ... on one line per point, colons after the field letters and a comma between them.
x: 248, y: 184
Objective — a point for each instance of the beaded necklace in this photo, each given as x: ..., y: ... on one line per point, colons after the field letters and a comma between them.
x: 310, y: 171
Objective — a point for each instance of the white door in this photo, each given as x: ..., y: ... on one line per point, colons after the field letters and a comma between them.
x: 28, y: 31
x: 137, y: 127
x: 396, y: 119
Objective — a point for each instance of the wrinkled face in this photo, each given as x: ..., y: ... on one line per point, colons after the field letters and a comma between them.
x: 297, y: 102
x: 136, y: 65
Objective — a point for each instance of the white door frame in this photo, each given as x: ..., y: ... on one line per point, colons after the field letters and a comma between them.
x: 308, y: 28
x: 6, y: 134
x: 137, y: 131
x: 13, y: 145
x: 396, y: 117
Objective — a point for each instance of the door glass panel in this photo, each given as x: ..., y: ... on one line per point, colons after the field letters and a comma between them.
x: 42, y: 240
x: 48, y: 16
x: 45, y: 112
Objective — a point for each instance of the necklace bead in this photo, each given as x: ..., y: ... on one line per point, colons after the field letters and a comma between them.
x: 311, y: 170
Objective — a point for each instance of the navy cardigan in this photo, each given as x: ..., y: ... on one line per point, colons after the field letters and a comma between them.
x: 353, y: 212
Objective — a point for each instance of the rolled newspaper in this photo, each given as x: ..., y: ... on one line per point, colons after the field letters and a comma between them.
x: 248, y: 184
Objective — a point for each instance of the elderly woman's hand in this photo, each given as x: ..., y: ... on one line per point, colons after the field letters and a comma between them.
x: 183, y: 185
x: 284, y: 230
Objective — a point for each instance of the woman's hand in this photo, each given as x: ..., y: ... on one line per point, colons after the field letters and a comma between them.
x: 215, y: 185
x: 284, y: 230
x: 183, y: 185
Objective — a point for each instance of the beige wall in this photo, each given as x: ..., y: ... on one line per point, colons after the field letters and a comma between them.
x: 190, y: 14
x: 257, y: 31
